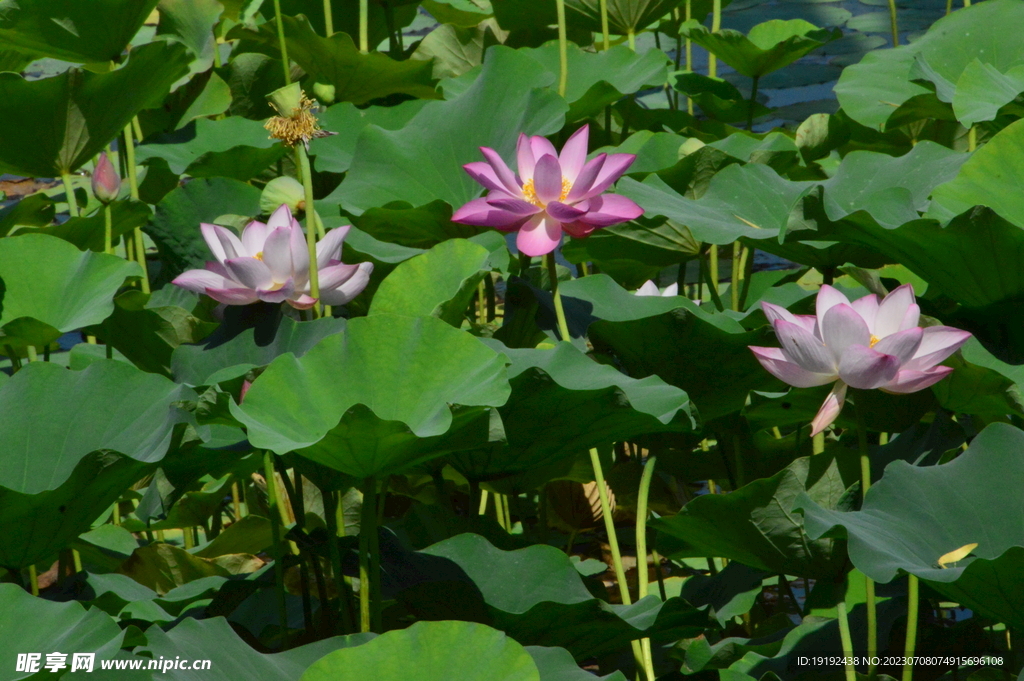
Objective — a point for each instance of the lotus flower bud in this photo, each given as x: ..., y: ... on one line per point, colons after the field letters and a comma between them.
x: 325, y: 92
x: 106, y: 183
x: 286, y: 190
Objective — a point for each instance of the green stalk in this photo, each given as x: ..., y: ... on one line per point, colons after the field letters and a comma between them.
x: 563, y: 49
x: 643, y: 580
x: 818, y: 443
x: 236, y: 501
x: 139, y: 253
x: 282, y: 45
x: 753, y: 102
x: 710, y: 273
x: 483, y: 503
x: 108, y: 230
x: 689, y: 56
x: 30, y: 350
x: 604, y: 25
x: 563, y: 326
x: 33, y: 579
x: 369, y: 565
x: 364, y: 25
x: 893, y: 24
x: 844, y: 636
x: 331, y: 507
x: 499, y: 511
x: 631, y: 37
x: 275, y: 516
x: 307, y: 183
x: 70, y: 192
x: 912, y: 607
x: 734, y: 275
x: 865, y: 485
x: 328, y: 18
x: 716, y: 25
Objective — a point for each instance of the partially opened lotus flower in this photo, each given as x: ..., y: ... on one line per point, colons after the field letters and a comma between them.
x: 649, y: 288
x: 271, y: 263
x: 552, y: 193
x: 864, y: 344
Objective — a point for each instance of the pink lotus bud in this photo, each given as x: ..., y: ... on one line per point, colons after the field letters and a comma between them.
x: 106, y: 183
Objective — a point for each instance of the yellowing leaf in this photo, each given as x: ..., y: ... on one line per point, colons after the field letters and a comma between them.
x: 956, y: 555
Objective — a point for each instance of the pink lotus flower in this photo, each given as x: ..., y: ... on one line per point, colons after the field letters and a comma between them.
x: 271, y: 263
x: 865, y: 344
x: 552, y: 193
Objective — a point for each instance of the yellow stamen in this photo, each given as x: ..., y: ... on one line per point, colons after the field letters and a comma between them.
x: 874, y: 339
x: 298, y: 126
x: 259, y: 256
x: 530, y: 192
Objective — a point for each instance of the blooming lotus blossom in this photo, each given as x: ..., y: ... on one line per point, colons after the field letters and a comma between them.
x: 869, y: 343
x: 271, y: 263
x: 649, y: 288
x: 552, y: 192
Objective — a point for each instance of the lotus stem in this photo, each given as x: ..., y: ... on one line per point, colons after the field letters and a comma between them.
x: 818, y: 443
x: 753, y: 102
x: 331, y: 508
x: 483, y: 503
x: 972, y: 139
x: 563, y: 326
x: 137, y: 250
x: 604, y: 25
x: 643, y: 580
x: 563, y: 49
x: 307, y: 184
x: 911, y: 642
x: 236, y: 502
x: 33, y: 579
x: 710, y: 274
x: 716, y: 25
x: 364, y: 25
x: 282, y: 44
x: 30, y: 351
x: 949, y: 7
x: 734, y: 275
x: 865, y: 485
x: 508, y: 512
x: 847, y: 640
x: 893, y: 24
x: 369, y: 560
x: 631, y: 38
x: 69, y: 191
x: 328, y: 19
x: 108, y: 229
x: 275, y: 529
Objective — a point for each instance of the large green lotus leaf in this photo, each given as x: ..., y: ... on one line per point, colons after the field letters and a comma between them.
x: 35, y: 210
x: 335, y: 153
x: 229, y: 655
x: 175, y: 224
x: 405, y: 373
x: 205, y: 94
x: 768, y: 47
x: 250, y: 337
x: 727, y: 594
x: 755, y: 526
x: 557, y: 664
x: 232, y: 147
x: 64, y: 627
x: 454, y: 50
x: 54, y: 485
x: 916, y: 514
x: 982, y: 90
x: 439, y: 283
x: 602, y: 78
x: 54, y: 125
x: 438, y: 651
x: 753, y: 201
x: 163, y: 567
x: 537, y: 596
x: 871, y: 91
x: 336, y: 61
x: 990, y: 177
x: 982, y: 384
x: 975, y: 259
x: 584, y: 404
x: 116, y: 407
x: 422, y: 161
x: 50, y: 287
x: 40, y: 525
x: 704, y: 353
x: 72, y: 30
x: 87, y: 233
x: 191, y: 22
